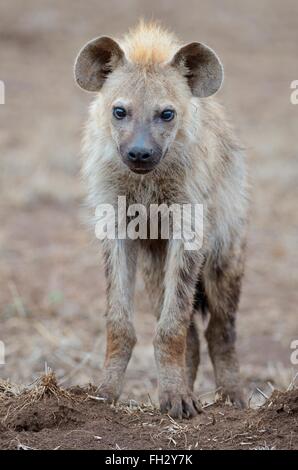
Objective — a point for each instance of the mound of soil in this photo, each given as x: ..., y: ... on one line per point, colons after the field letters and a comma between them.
x: 77, y: 420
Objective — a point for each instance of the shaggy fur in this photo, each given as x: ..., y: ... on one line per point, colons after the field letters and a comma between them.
x: 202, y: 163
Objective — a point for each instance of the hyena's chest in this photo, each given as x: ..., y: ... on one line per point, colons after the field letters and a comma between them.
x: 146, y: 209
x: 150, y: 191
x: 151, y: 212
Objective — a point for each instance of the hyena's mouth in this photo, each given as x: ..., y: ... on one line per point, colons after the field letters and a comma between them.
x: 142, y: 171
x: 142, y: 168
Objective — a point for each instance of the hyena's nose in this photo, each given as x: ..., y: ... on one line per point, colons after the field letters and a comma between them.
x: 139, y: 154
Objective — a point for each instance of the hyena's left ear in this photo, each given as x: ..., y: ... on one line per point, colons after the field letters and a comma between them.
x: 201, y: 67
x: 95, y: 61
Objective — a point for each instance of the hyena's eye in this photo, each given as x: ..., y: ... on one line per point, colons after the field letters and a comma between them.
x: 119, y: 112
x: 167, y: 115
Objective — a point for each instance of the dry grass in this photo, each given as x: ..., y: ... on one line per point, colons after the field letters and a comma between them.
x: 46, y: 386
x: 18, y: 398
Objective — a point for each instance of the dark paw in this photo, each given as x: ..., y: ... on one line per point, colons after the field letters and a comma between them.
x: 108, y: 393
x: 179, y: 405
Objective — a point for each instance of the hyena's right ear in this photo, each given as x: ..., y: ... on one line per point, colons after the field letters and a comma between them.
x: 95, y: 61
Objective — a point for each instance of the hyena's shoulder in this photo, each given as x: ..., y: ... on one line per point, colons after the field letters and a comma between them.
x: 228, y: 202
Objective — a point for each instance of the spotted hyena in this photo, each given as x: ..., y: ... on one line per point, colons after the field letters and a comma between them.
x: 156, y: 135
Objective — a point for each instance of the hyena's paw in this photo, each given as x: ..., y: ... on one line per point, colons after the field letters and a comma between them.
x: 235, y: 396
x: 109, y: 392
x: 179, y: 405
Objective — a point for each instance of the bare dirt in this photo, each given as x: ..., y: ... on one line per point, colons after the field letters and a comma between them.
x: 74, y: 419
x: 52, y: 296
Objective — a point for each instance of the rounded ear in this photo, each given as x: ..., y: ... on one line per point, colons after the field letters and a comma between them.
x: 201, y: 67
x: 95, y: 61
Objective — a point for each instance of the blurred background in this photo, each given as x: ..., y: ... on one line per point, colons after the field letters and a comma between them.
x: 52, y: 291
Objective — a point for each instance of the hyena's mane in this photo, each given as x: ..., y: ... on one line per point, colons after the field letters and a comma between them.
x: 149, y: 44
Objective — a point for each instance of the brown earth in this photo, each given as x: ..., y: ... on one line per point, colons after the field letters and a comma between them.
x: 52, y: 284
x: 74, y: 419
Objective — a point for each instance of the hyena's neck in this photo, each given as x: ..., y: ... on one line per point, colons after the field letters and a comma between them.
x: 166, y: 185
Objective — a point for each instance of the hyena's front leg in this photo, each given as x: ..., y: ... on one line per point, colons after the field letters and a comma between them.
x: 170, y: 342
x: 120, y: 257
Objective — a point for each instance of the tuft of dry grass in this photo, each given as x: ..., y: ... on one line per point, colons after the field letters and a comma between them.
x: 16, y: 399
x: 44, y: 386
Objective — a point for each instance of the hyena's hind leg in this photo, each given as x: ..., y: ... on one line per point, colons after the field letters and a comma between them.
x: 152, y: 258
x: 192, y: 353
x: 222, y: 281
x: 193, y: 338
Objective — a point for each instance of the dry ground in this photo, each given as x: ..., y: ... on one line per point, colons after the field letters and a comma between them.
x: 45, y: 416
x: 52, y: 286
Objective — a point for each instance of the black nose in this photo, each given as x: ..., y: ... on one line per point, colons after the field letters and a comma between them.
x: 139, y: 154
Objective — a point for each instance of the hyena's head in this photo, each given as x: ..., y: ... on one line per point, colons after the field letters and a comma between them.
x: 146, y: 85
